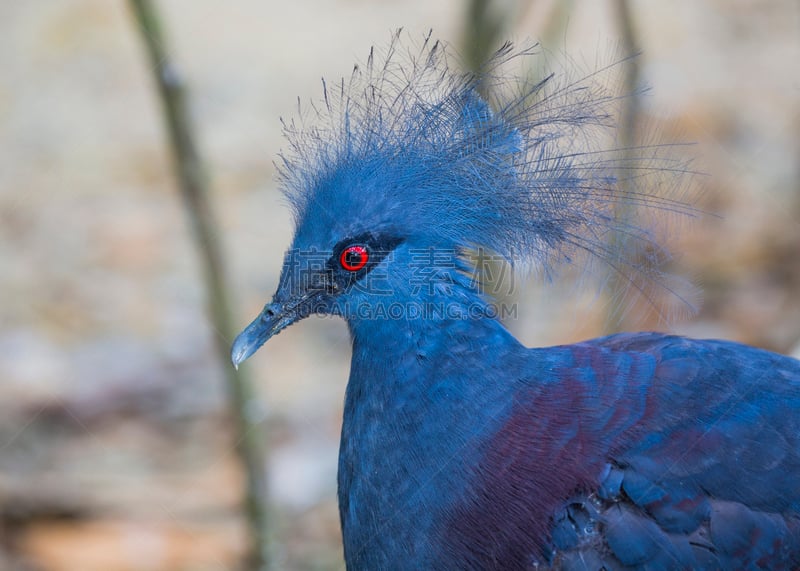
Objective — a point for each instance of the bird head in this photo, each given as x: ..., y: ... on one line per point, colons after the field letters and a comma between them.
x: 407, y: 165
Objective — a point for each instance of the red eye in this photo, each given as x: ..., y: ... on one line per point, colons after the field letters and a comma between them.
x: 354, y: 258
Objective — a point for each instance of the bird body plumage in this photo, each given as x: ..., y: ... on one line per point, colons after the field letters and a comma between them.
x: 463, y: 449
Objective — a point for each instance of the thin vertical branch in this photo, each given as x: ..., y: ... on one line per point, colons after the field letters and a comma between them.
x: 553, y: 34
x: 627, y: 140
x: 194, y: 188
x: 484, y: 26
x: 630, y: 47
x: 483, y: 30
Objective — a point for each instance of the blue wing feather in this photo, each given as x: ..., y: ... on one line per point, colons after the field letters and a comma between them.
x: 705, y: 474
x: 641, y: 451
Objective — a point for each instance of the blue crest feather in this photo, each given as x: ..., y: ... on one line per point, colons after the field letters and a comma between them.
x: 409, y: 144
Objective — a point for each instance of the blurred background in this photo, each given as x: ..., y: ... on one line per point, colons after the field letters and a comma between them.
x: 116, y: 442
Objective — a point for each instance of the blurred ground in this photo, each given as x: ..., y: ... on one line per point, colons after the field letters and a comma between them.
x: 115, y: 447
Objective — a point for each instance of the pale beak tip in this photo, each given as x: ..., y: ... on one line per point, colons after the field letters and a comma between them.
x: 267, y: 324
x: 241, y: 350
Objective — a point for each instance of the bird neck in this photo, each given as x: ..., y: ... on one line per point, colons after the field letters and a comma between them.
x: 419, y: 391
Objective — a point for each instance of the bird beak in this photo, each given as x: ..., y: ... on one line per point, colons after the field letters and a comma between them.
x: 274, y: 318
